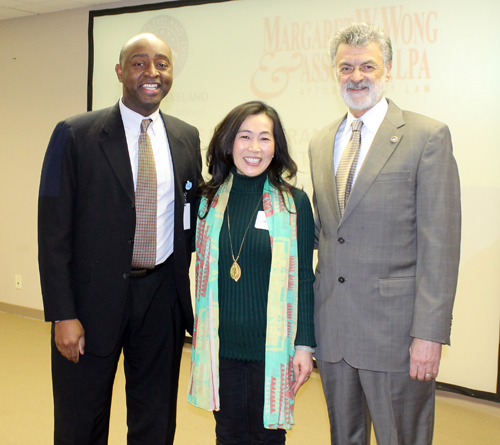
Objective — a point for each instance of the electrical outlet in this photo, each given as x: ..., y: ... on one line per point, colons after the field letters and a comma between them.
x: 19, y: 283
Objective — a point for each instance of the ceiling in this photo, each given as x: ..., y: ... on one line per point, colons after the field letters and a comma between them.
x: 10, y: 9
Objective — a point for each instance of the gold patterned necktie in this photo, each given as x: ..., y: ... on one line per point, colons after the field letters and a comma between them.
x: 347, y: 165
x: 144, y: 255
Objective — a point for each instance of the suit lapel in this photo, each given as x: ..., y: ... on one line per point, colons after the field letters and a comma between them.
x: 386, y: 140
x: 114, y: 144
x: 176, y: 151
x: 327, y: 172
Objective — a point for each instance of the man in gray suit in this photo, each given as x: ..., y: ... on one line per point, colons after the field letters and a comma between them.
x: 388, y: 254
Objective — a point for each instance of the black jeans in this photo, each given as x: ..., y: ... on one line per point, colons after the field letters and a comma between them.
x: 241, y: 392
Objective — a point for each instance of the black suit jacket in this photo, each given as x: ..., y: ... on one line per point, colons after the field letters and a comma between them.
x: 86, y: 221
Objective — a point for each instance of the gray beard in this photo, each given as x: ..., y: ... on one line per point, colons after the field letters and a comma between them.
x: 376, y: 91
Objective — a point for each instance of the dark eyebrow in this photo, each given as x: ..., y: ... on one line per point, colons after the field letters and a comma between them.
x: 164, y: 56
x: 370, y: 62
x: 246, y: 130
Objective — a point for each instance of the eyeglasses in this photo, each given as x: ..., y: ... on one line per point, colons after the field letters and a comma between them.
x: 347, y: 70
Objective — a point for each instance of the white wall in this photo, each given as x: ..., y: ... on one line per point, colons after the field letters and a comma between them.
x: 44, y: 80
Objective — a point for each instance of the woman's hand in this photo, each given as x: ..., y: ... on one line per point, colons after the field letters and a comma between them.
x: 302, y: 368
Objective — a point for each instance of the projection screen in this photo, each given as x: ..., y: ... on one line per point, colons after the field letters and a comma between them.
x: 445, y: 63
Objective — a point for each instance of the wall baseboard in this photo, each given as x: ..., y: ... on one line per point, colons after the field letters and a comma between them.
x: 22, y: 311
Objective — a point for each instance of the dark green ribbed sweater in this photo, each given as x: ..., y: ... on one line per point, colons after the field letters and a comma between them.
x: 243, y: 304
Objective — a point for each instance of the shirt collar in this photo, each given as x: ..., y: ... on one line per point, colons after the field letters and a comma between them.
x: 372, y: 118
x: 132, y: 120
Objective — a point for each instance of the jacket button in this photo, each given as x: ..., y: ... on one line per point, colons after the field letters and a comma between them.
x: 125, y: 275
x: 133, y: 205
x: 341, y: 280
x: 341, y: 240
x: 131, y: 241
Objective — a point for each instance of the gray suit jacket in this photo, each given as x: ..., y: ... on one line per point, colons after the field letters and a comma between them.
x: 387, y: 271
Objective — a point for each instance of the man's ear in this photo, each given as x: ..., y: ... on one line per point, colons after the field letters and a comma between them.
x: 388, y: 75
x: 118, y: 70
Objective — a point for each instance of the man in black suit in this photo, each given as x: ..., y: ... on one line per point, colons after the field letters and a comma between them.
x: 101, y: 305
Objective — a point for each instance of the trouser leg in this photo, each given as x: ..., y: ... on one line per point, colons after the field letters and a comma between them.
x: 231, y: 426
x: 152, y: 350
x: 82, y: 397
x: 256, y: 397
x: 402, y: 409
x: 240, y: 419
x: 350, y: 422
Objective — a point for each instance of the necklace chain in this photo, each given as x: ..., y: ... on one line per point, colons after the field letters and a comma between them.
x: 235, y: 271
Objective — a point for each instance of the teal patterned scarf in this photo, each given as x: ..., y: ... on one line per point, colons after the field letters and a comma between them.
x: 281, y: 306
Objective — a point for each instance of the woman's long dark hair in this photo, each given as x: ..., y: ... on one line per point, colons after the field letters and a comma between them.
x: 282, y: 168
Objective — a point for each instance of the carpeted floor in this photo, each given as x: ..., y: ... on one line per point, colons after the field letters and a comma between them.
x: 26, y: 401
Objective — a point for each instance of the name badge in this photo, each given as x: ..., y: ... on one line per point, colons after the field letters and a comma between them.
x: 261, y: 221
x: 187, y: 216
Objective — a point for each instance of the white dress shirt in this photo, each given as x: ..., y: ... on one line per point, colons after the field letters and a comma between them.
x: 371, y: 123
x: 164, y: 171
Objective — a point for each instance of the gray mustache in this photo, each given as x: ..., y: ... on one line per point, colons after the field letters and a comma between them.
x: 357, y: 85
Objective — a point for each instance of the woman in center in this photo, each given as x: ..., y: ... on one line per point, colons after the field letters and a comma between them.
x: 254, y: 329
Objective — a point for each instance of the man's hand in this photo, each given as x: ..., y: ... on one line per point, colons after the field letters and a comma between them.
x: 425, y: 356
x: 302, y: 367
x: 69, y: 336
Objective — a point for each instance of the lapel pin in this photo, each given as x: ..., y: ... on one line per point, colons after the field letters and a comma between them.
x: 394, y: 139
x: 189, y: 185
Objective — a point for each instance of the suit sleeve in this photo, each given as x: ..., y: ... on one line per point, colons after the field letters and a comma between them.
x: 55, y: 222
x: 438, y: 238
x: 317, y: 221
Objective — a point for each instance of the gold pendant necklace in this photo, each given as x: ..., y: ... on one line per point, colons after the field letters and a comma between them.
x: 235, y: 271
